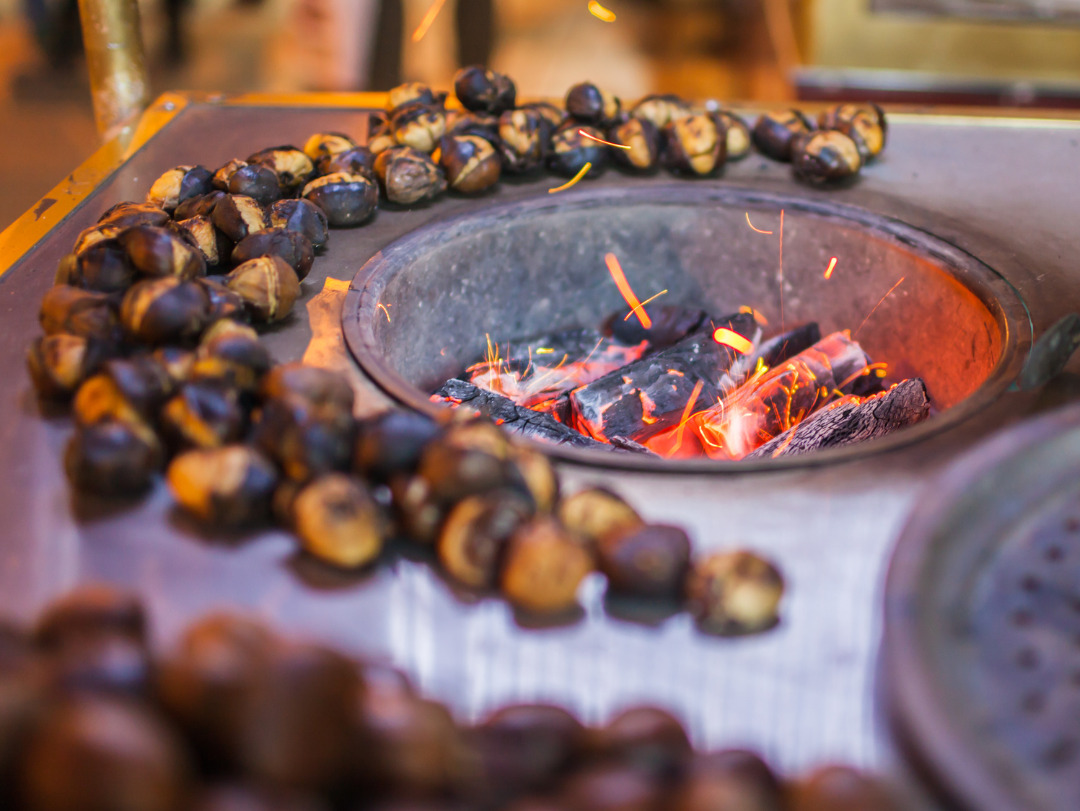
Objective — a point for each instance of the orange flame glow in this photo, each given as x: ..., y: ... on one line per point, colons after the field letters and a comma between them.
x: 616, y: 271
x: 752, y: 225
x: 601, y: 140
x: 604, y: 14
x: 572, y: 181
x: 830, y: 268
x: 429, y: 18
x: 733, y: 339
x: 686, y: 416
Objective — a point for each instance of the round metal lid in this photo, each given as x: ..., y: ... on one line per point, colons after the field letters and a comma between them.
x: 981, y: 656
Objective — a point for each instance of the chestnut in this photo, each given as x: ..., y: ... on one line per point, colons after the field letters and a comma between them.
x: 481, y: 124
x: 660, y: 109
x: 327, y: 144
x: 201, y: 206
x: 409, y: 177
x: 58, y: 364
x: 322, y: 387
x: 222, y: 174
x: 99, y: 662
x: 292, y: 167
x: 649, y: 561
x: 113, y: 459
x: 203, y: 415
x: 268, y: 286
x: 177, y: 363
x: 91, y: 609
x: 419, y: 126
x: 524, y: 136
x: 99, y: 399
x: 292, y: 246
x: 538, y: 474
x: 418, y: 512
x: 825, y: 155
x: 774, y: 132
x: 651, y: 740
x: 643, y: 138
x: 166, y: 310
x: 224, y: 303
x: 156, y: 251
x: 237, y: 215
x: 141, y: 380
x: 588, y: 104
x: 392, y: 443
x: 475, y: 533
x: 543, y: 568
x: 356, y: 161
x: 732, y: 593
x: 839, y: 788
x: 179, y: 184
x: 549, y: 112
x: 731, y: 778
x: 66, y: 309
x: 125, y: 215
x: 256, y: 181
x: 304, y: 217
x: 338, y: 521
x: 230, y: 354
x: 737, y: 136
x: 484, y: 91
x: 305, y: 437
x: 863, y: 123
x: 596, y: 512
x: 104, y: 265
x: 471, y: 163
x: 695, y: 145
x: 571, y: 150
x: 212, y: 245
x: 89, y: 237
x: 611, y: 787
x: 229, y: 486
x: 453, y: 473
x: 347, y: 200
x: 381, y: 138
x: 411, y: 93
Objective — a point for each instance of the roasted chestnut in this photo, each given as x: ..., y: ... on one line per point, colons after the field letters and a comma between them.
x: 736, y: 134
x: 91, y: 609
x: 611, y: 787
x: 523, y: 137
x: 236, y: 216
x: 58, y: 364
x: 95, y: 234
x: 839, y: 788
x: 649, y: 561
x: 306, y: 437
x: 409, y: 177
x: 571, y: 149
x: 104, y: 266
x: 482, y: 124
x: 220, y: 180
x: 731, y: 778
x: 419, y: 126
x: 347, y: 200
x: 484, y: 91
x: 98, y: 662
x: 475, y: 533
x: 141, y: 380
x: 731, y: 593
x: 203, y: 415
x: 166, y: 310
x: 158, y: 251
x: 643, y: 138
x: 774, y: 132
x: 543, y: 567
x: 113, y: 459
x: 224, y: 303
x: 327, y: 144
x: 356, y: 161
x: 230, y: 354
x: 826, y: 155
x: 268, y: 286
x: 660, y: 109
x: 99, y: 399
x: 453, y: 473
x: 179, y: 184
x: 596, y: 512
x: 470, y: 162
x: 292, y: 167
x: 338, y: 521
x: 649, y: 739
x: 864, y: 123
x: 588, y: 104
x: 410, y: 93
x: 292, y: 246
x: 256, y: 181
x: 79, y: 312
x: 200, y: 232
x: 381, y: 138
x: 391, y: 444
x: 176, y: 363
x: 125, y: 215
x: 228, y: 486
x: 552, y: 114
x: 201, y: 206
x: 301, y: 216
x: 694, y: 145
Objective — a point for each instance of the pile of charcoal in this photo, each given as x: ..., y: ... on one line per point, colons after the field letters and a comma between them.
x: 236, y: 718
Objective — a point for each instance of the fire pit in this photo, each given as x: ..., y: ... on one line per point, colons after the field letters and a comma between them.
x: 431, y: 301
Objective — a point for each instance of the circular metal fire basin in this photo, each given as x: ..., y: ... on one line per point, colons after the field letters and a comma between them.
x: 981, y: 654
x: 535, y: 266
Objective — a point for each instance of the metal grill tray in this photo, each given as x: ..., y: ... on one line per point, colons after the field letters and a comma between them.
x: 982, y: 622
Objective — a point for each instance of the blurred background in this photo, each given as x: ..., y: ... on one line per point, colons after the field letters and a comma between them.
x: 969, y: 52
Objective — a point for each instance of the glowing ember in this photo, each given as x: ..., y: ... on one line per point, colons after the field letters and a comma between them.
x: 830, y: 268
x: 758, y: 317
x: 733, y: 339
x: 601, y: 140
x: 616, y: 271
x: 601, y: 13
x: 572, y: 181
x: 752, y: 226
x: 386, y: 312
x: 429, y: 18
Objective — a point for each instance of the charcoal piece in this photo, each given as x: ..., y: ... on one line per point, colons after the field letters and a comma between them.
x: 520, y: 420
x: 518, y: 355
x: 649, y: 395
x: 786, y: 345
x: 850, y: 422
x: 669, y: 325
x: 624, y: 444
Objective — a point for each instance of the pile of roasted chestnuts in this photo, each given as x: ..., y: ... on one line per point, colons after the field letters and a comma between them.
x: 235, y: 718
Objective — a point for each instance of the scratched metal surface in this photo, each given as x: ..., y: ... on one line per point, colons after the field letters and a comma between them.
x: 1006, y: 191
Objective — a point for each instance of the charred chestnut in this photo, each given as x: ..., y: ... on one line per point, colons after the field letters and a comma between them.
x: 212, y: 245
x: 731, y: 593
x: 596, y: 512
x: 381, y: 138
x: 292, y: 167
x: 475, y: 533
x: 643, y: 138
x: 113, y: 459
x: 203, y: 415
x: 572, y: 146
x: 175, y: 362
x: 301, y: 216
x: 141, y: 380
x: 453, y: 473
x: 824, y: 156
x: 98, y: 662
x: 774, y: 132
x: 356, y: 161
x: 317, y: 385
x: 220, y: 179
x: 91, y: 609
x: 484, y: 91
x: 231, y: 355
x: 201, y: 206
x: 125, y: 215
x: 863, y: 123
x: 229, y: 486
x: 104, y: 266
x: 649, y: 739
x: 338, y: 521
x: 661, y: 109
x: 292, y: 246
x: 589, y: 104
x: 306, y: 437
x: 543, y: 568
x: 411, y: 93
x: 392, y: 444
x: 481, y: 124
x: 650, y: 561
x: 539, y: 476
x: 409, y: 177
x: 327, y: 144
x: 347, y: 200
x: 695, y: 145
x: 99, y: 399
x: 550, y: 113
x: 236, y: 216
x: 839, y: 788
x: 166, y: 310
x: 256, y: 181
x: 268, y: 286
x: 178, y: 185
x: 59, y: 363
x: 224, y: 303
x: 523, y: 136
x: 736, y: 134
x: 96, y: 233
x: 471, y: 163
x: 78, y: 312
x: 419, y: 126
x: 158, y: 251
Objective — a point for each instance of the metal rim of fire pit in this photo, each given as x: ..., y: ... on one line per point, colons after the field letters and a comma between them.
x: 1002, y: 300
x: 983, y: 527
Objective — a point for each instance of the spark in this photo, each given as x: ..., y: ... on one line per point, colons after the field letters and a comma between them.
x: 757, y: 316
x: 544, y: 350
x: 830, y: 268
x: 386, y: 312
x: 604, y: 14
x: 880, y: 369
x: 601, y: 140
x: 781, y: 270
x: 783, y: 445
x: 686, y: 416
x: 584, y: 171
x: 733, y: 339
x: 616, y: 271
x: 646, y: 301
x: 429, y: 18
x: 752, y: 225
x: 863, y: 324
